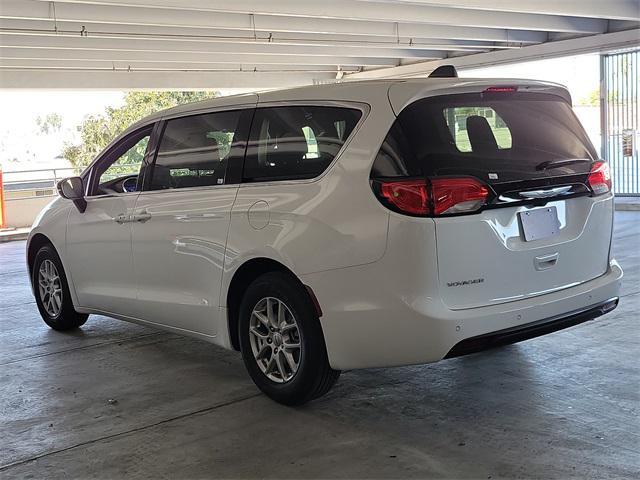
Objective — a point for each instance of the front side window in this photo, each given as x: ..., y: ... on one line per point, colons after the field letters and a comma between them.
x: 296, y: 142
x: 119, y: 171
x: 196, y: 151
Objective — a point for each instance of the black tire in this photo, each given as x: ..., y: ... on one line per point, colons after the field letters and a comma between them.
x: 314, y: 377
x: 67, y: 318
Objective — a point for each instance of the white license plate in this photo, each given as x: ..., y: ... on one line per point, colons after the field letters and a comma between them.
x: 539, y: 223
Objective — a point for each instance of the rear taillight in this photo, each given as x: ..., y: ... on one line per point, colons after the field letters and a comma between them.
x: 408, y: 196
x: 438, y: 196
x: 600, y: 178
x: 457, y: 195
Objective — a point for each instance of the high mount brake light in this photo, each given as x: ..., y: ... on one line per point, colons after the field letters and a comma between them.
x: 599, y: 179
x: 501, y: 90
x: 438, y: 196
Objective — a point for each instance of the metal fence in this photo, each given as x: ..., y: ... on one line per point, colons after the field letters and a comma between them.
x: 22, y: 184
x: 620, y: 83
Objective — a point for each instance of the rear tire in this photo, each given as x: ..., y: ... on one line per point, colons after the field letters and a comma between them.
x: 276, y: 314
x: 51, y: 290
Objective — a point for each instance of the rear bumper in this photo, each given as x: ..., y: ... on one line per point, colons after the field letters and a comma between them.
x: 373, y: 319
x: 531, y: 330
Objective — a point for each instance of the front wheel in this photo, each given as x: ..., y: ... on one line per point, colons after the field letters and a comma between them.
x: 52, y: 291
x: 282, y: 342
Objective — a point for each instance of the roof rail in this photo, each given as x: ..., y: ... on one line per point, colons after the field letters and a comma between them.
x: 444, y: 71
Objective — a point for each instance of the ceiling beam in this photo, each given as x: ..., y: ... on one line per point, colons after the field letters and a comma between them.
x: 121, y: 11
x: 607, y: 9
x: 159, y: 66
x: 96, y: 18
x: 75, y: 30
x: 187, y: 57
x: 118, y: 80
x: 66, y: 42
x: 577, y: 46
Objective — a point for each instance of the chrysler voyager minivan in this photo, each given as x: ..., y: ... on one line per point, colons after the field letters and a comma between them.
x: 343, y: 226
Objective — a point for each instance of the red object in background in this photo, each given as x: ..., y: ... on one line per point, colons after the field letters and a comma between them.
x: 2, y: 225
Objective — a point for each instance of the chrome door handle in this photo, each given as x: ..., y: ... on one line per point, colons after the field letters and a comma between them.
x: 142, y: 216
x: 122, y: 218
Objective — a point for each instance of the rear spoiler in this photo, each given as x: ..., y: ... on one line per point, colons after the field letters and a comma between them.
x: 406, y: 91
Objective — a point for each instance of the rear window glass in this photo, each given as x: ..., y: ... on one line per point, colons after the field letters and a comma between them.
x: 457, y: 119
x: 515, y: 137
x: 296, y: 142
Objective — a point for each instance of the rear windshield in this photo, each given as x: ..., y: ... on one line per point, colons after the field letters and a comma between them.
x: 497, y: 138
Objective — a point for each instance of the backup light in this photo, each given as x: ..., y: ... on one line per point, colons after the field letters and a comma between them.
x: 599, y: 179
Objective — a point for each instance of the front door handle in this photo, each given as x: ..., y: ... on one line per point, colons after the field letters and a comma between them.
x: 142, y: 216
x: 121, y: 218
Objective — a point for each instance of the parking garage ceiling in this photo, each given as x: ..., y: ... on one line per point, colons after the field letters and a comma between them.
x: 260, y: 44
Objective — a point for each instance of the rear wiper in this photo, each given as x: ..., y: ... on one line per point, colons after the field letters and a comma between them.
x: 560, y: 163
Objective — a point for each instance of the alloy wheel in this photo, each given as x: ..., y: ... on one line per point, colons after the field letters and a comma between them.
x: 50, y: 288
x: 275, y: 339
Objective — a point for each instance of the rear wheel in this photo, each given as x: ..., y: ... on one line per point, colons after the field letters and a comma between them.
x: 282, y: 342
x: 52, y: 291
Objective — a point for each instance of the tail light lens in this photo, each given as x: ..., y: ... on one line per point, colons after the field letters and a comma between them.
x: 408, y: 196
x: 456, y: 195
x: 438, y: 196
x: 600, y: 178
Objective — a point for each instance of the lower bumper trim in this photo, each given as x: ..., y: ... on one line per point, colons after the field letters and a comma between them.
x: 530, y: 330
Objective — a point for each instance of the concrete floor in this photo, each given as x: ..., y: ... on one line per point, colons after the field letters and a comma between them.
x: 117, y: 400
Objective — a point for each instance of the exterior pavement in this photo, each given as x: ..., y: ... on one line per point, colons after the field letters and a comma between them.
x: 116, y: 400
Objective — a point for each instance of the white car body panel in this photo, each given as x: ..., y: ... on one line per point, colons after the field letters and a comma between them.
x: 186, y: 236
x: 96, y: 243
x: 578, y: 253
x: 377, y: 275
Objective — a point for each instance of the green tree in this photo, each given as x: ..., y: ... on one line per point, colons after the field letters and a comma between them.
x: 592, y: 99
x: 96, y: 131
x: 50, y: 123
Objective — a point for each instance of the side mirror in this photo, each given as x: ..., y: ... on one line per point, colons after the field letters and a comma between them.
x: 72, y: 189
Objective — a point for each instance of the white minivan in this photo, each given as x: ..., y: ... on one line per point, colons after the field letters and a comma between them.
x: 343, y: 226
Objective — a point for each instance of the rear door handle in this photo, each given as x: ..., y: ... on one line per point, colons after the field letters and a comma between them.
x: 142, y: 216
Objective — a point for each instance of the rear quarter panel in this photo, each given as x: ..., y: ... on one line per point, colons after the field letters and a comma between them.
x: 330, y: 222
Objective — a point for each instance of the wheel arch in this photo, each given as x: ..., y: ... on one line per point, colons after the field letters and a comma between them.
x: 242, y: 278
x: 36, y: 242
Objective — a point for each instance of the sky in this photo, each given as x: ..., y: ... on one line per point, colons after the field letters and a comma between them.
x: 23, y: 147
x: 580, y: 74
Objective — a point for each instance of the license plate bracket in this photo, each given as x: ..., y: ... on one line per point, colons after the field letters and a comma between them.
x: 539, y: 223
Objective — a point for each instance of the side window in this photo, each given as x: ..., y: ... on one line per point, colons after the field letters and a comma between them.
x: 196, y: 151
x: 118, y: 173
x: 296, y: 142
x: 466, y: 122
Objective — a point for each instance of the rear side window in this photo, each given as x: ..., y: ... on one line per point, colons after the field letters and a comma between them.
x: 296, y: 142
x: 496, y: 138
x: 196, y: 151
